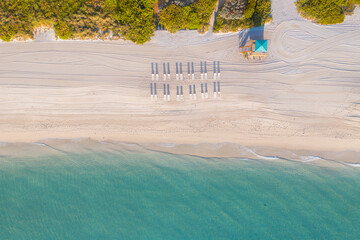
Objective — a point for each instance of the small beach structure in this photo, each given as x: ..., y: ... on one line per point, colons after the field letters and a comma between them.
x: 257, y: 48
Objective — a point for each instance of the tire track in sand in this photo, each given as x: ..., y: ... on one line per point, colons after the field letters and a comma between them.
x: 330, y: 39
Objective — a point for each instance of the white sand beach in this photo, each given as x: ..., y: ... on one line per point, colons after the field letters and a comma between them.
x: 305, y: 96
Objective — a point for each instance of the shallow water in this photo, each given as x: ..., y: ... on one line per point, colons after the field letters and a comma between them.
x: 132, y: 195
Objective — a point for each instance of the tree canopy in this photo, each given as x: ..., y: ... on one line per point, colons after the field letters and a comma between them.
x: 195, y: 16
x: 257, y: 13
x: 326, y: 11
x: 80, y: 19
x: 136, y: 16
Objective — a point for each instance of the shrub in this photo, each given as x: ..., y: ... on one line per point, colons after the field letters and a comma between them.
x: 82, y: 19
x: 136, y: 16
x: 63, y: 30
x: 256, y: 14
x: 173, y: 18
x: 325, y: 11
x: 233, y: 9
x: 16, y: 19
x: 194, y: 16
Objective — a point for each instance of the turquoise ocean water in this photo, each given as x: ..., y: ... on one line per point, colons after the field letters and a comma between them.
x: 132, y: 195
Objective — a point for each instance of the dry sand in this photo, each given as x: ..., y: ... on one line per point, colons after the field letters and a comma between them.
x: 304, y: 97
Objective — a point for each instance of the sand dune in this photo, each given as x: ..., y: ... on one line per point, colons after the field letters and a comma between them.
x: 304, y: 96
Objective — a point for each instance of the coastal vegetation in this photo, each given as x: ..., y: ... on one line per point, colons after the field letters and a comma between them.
x: 181, y: 3
x: 135, y: 17
x: 195, y: 16
x: 326, y: 11
x: 241, y: 14
x: 78, y: 19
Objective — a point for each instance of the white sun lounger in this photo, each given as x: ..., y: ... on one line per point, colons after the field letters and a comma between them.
x: 168, y: 67
x: 192, y: 68
x: 152, y: 72
x: 190, y: 92
x: 202, y: 91
x: 206, y: 91
x: 194, y: 92
x: 177, y: 71
x: 181, y: 93
x: 214, y: 89
x: 164, y: 92
x: 168, y: 92
x: 157, y: 72
x: 181, y: 72
x: 151, y: 91
x: 164, y: 67
x: 177, y: 93
x: 205, y: 70
x: 201, y: 70
x: 188, y: 70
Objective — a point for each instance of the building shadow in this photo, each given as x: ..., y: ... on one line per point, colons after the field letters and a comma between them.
x: 247, y: 35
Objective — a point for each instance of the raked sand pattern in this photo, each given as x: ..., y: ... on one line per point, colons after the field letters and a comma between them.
x: 304, y: 96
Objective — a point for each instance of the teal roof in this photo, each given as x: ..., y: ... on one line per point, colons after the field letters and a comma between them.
x: 261, y: 45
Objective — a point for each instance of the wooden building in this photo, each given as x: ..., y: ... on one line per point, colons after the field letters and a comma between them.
x: 257, y: 48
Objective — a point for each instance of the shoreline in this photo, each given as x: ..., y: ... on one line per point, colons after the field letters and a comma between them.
x: 51, y: 147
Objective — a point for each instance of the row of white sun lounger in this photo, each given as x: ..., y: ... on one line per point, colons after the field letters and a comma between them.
x: 179, y: 71
x: 180, y: 91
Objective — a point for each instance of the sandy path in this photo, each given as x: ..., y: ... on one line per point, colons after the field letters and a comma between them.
x: 305, y: 95
x: 218, y: 5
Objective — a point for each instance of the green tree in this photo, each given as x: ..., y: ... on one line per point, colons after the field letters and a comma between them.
x: 136, y: 16
x: 127, y: 19
x: 63, y: 30
x: 195, y: 16
x: 325, y: 11
x: 256, y: 14
x: 173, y: 18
